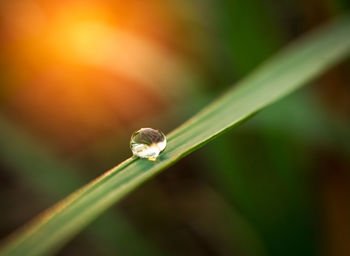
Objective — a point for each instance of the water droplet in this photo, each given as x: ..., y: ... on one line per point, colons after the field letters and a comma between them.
x: 147, y: 143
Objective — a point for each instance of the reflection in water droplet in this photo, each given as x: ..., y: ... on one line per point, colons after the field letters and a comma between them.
x: 147, y: 143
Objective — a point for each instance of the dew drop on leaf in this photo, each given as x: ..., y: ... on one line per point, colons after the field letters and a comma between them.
x: 147, y: 143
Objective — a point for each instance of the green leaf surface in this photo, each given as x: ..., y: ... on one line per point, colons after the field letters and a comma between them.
x: 46, y: 173
x: 293, y: 67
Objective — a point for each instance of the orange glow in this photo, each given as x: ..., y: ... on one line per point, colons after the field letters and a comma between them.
x: 86, y: 41
x: 77, y: 68
x: 79, y: 31
x: 96, y: 42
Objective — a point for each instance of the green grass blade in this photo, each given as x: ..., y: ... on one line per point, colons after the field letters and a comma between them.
x: 41, y: 169
x: 287, y: 71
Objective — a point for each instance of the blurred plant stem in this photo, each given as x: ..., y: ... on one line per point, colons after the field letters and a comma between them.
x: 245, y: 27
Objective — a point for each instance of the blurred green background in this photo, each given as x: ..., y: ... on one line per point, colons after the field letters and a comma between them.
x: 78, y: 77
